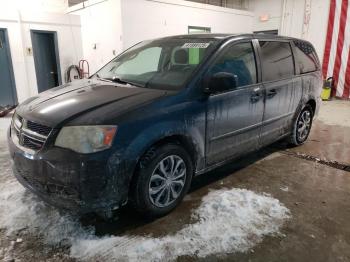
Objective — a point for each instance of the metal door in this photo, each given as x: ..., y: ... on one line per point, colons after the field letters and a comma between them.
x: 46, y: 59
x: 7, y: 84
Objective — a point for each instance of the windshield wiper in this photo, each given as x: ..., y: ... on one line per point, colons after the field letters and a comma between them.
x: 125, y: 82
x: 120, y: 81
x: 103, y: 79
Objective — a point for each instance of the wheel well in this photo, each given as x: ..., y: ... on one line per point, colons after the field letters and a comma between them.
x: 312, y: 103
x: 175, y: 139
x: 179, y: 140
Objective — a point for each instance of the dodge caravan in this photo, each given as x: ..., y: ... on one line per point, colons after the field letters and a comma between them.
x: 163, y: 111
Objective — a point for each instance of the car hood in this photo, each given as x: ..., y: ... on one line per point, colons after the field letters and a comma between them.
x: 65, y: 102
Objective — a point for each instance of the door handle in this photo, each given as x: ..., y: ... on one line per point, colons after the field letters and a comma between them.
x: 271, y: 93
x: 255, y: 97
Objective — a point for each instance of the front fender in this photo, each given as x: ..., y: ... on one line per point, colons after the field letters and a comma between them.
x: 155, y: 133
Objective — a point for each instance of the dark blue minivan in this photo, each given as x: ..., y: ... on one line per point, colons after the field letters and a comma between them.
x: 160, y: 113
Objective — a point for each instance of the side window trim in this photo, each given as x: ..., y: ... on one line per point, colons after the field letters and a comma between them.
x: 295, y: 58
x: 258, y: 63
x: 236, y: 89
x: 225, y: 47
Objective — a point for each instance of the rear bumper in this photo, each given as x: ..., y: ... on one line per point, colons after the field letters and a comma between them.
x: 68, y: 180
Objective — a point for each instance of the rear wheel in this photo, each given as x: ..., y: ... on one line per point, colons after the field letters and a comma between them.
x: 163, y: 178
x: 302, y: 126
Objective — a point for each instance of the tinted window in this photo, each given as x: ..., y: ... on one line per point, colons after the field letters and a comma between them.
x: 277, y: 60
x: 238, y: 60
x: 306, y: 57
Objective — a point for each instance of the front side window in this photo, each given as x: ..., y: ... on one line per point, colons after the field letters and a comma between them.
x: 307, y: 59
x: 238, y: 60
x: 277, y: 60
x: 159, y: 64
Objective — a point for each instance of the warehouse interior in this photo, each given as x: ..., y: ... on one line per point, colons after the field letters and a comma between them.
x: 50, y: 43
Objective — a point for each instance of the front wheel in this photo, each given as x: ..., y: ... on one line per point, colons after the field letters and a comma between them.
x: 302, y: 126
x: 162, y: 180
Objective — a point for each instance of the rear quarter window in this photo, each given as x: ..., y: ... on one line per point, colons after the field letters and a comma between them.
x: 277, y: 60
x: 306, y: 57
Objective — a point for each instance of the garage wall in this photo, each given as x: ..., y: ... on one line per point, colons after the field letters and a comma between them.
x: 110, y: 26
x: 305, y: 19
x: 146, y: 19
x: 19, y: 23
x: 272, y: 8
x: 101, y: 31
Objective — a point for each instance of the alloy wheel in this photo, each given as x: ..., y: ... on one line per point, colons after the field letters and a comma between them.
x: 304, y: 125
x: 167, y: 181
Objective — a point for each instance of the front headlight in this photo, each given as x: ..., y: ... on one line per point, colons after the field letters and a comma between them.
x: 86, y: 139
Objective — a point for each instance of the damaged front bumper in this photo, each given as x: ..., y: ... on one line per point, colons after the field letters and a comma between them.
x: 81, y: 183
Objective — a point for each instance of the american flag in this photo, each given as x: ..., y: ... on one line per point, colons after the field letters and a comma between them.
x: 336, y: 60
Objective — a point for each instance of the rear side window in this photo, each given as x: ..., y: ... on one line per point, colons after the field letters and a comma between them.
x: 238, y: 60
x: 306, y: 57
x: 277, y: 60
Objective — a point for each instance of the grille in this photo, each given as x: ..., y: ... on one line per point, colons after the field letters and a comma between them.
x: 45, y: 186
x: 29, y: 134
x: 32, y: 180
x: 40, y: 129
x: 31, y: 143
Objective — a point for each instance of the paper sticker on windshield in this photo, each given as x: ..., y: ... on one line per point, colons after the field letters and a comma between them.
x: 195, y: 45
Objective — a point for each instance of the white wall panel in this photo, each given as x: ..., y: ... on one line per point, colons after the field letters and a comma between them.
x: 18, y: 23
x: 101, y: 31
x: 146, y: 19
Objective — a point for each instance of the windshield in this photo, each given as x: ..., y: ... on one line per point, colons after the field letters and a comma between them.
x: 159, y: 64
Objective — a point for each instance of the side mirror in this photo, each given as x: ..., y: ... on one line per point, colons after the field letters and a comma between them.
x: 221, y: 82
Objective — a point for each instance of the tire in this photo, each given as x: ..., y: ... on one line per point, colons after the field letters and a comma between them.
x: 302, y: 126
x: 154, y: 183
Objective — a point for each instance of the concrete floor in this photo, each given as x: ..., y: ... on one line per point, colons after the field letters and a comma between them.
x: 309, y: 180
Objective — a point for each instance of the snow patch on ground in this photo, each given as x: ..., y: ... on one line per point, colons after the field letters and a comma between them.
x: 4, y: 124
x: 284, y: 189
x: 227, y: 221
x: 22, y: 211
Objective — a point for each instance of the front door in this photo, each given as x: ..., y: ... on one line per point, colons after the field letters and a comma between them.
x: 278, y: 80
x: 234, y: 116
x: 7, y: 83
x: 46, y: 59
